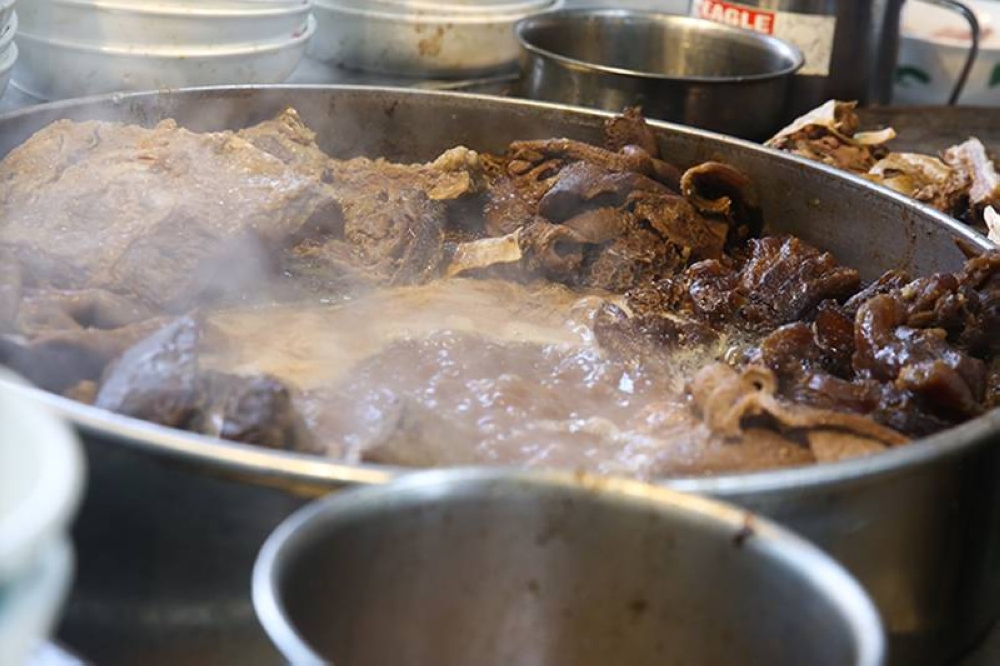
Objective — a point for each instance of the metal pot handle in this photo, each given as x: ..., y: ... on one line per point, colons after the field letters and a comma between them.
x: 970, y: 59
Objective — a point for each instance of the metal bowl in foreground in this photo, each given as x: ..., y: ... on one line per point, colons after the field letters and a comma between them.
x: 487, y: 567
x: 680, y: 69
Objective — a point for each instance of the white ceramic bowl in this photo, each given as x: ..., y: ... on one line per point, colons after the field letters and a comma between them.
x: 29, y: 606
x: 426, y: 45
x: 7, y: 32
x: 41, y: 479
x: 934, y: 44
x: 41, y: 484
x: 51, y: 69
x: 6, y: 10
x: 119, y: 23
x: 7, y: 61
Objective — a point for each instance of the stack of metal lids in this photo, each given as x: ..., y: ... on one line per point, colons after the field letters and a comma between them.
x: 71, y: 48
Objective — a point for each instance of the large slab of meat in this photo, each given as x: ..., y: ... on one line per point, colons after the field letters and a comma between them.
x: 558, y: 305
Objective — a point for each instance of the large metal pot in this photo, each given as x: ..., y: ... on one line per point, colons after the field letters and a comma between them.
x: 172, y: 521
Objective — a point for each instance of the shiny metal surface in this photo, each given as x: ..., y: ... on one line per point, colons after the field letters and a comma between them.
x: 168, y: 531
x: 416, y: 42
x: 486, y: 567
x: 931, y: 129
x: 677, y: 68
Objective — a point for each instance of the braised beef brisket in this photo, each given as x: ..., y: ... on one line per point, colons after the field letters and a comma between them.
x: 623, y: 314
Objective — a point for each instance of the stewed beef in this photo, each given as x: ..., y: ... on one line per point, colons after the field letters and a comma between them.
x: 165, y: 215
x: 559, y: 304
x: 160, y: 379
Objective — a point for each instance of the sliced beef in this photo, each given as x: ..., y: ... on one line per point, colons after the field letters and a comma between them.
x: 157, y: 379
x: 924, y: 178
x: 149, y: 212
x: 57, y: 360
x: 630, y: 129
x: 399, y: 236
x: 708, y: 291
x: 677, y: 343
x: 291, y: 141
x: 719, y: 190
x: 650, y: 339
x: 820, y: 389
x: 675, y: 220
x: 393, y: 216
x: 598, y: 225
x: 583, y: 185
x: 553, y: 251
x: 160, y: 380
x: 456, y: 173
x: 324, y: 267
x: 172, y: 218
x: 950, y: 383
x: 728, y: 401
x: 567, y: 151
x: 627, y: 224
x: 637, y: 256
x: 255, y: 410
x: 54, y: 309
x: 886, y: 283
x: 916, y: 356
x: 983, y: 182
x: 783, y: 280
x: 826, y: 344
x: 962, y: 182
x: 786, y: 280
x: 829, y: 134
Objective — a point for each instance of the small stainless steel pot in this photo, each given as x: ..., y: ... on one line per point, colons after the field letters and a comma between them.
x: 489, y: 567
x: 680, y: 69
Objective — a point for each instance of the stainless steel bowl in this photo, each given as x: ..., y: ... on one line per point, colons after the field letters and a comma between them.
x: 679, y: 69
x: 487, y: 567
x: 172, y: 521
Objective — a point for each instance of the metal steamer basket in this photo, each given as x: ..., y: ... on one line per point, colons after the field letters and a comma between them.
x: 172, y: 521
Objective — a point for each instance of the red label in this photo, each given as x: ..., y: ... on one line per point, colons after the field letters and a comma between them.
x: 737, y: 15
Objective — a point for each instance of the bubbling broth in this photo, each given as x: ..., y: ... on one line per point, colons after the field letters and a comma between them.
x: 460, y: 371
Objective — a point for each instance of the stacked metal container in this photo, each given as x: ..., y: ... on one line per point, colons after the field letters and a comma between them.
x: 71, y: 48
x: 421, y: 38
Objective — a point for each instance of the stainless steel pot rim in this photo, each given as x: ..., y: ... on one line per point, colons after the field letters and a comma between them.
x: 192, y: 11
x: 281, y: 466
x: 789, y: 51
x: 183, y: 52
x: 769, y: 539
x: 286, y: 466
x: 426, y: 18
